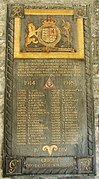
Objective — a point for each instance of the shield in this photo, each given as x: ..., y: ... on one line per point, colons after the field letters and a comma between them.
x: 49, y: 35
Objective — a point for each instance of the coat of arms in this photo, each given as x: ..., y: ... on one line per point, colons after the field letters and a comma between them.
x: 49, y: 37
x: 48, y: 34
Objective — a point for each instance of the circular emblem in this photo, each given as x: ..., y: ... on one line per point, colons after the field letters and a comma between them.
x: 49, y: 34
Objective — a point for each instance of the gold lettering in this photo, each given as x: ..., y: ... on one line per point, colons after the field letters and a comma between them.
x: 29, y: 82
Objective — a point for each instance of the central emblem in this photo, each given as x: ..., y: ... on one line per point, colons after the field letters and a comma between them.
x: 48, y: 34
x: 50, y: 149
x: 49, y: 84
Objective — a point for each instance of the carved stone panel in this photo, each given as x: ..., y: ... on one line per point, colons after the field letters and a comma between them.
x: 49, y: 123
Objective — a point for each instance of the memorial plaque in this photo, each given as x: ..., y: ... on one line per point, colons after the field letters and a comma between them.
x: 49, y: 123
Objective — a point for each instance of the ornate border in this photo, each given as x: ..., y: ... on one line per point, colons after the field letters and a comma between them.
x: 89, y: 88
x: 89, y: 92
x: 9, y: 86
x: 96, y: 32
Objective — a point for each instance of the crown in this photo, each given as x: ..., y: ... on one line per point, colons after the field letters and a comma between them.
x: 49, y: 20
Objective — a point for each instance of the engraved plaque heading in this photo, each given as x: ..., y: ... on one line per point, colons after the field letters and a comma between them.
x: 48, y: 99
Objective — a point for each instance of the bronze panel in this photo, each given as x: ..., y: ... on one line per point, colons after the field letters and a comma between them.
x: 49, y: 123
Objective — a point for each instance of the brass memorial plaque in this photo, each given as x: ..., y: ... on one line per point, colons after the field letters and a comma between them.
x: 49, y: 124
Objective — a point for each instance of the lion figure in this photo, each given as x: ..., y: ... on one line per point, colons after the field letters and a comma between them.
x: 31, y: 34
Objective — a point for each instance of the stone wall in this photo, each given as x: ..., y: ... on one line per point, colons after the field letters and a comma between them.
x: 95, y: 49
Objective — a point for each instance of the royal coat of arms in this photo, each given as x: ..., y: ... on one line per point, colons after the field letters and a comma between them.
x: 48, y: 34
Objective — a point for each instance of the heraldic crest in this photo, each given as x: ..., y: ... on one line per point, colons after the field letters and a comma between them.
x: 48, y: 34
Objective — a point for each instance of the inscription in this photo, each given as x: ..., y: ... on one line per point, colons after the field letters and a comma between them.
x: 48, y: 113
x: 49, y: 162
x: 21, y: 117
x: 43, y: 67
x: 70, y: 126
x: 31, y: 117
x: 56, y: 116
x: 36, y: 126
x: 29, y: 82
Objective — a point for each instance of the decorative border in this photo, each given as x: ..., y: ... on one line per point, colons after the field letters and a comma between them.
x: 73, y: 55
x: 89, y: 89
x: 96, y: 32
x: 9, y: 87
x: 83, y: 165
